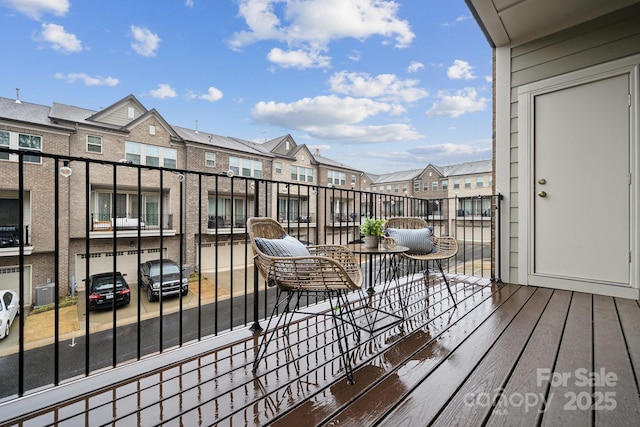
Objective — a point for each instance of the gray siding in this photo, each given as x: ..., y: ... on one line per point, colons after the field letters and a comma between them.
x: 600, y: 41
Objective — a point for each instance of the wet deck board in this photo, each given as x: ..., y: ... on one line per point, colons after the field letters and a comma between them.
x: 501, y: 343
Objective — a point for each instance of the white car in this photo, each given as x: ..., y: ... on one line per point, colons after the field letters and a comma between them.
x: 9, y: 307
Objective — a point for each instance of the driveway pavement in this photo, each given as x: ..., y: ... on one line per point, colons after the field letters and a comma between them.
x: 39, y: 328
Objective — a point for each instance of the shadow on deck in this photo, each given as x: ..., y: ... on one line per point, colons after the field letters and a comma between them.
x: 506, y: 355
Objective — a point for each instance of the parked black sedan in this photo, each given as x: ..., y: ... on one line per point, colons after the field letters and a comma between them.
x: 101, y: 294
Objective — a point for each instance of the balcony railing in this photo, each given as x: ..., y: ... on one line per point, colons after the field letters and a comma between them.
x: 105, y: 222
x: 225, y: 291
x: 10, y: 236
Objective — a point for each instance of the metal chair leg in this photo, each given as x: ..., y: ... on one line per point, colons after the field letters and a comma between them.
x: 341, y: 332
x: 269, y: 333
x: 439, y: 262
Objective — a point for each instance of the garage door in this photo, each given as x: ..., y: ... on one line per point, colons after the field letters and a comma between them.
x: 126, y: 263
x: 10, y: 279
x: 240, y: 251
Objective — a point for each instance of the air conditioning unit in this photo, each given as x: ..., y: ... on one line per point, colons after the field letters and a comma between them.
x: 45, y: 294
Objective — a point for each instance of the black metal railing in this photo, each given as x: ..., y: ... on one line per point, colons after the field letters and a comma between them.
x: 10, y: 236
x: 225, y: 291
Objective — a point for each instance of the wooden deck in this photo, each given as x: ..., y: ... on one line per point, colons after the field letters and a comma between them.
x: 505, y: 355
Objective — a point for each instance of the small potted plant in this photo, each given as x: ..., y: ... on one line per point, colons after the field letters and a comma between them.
x: 372, y: 229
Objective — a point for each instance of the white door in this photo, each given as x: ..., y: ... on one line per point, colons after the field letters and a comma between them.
x: 581, y: 186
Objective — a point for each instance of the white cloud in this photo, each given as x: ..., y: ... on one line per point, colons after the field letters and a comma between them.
x: 88, y: 80
x: 163, y: 91
x: 355, y: 55
x: 459, y: 19
x: 415, y: 67
x: 387, y: 87
x: 144, y: 42
x: 350, y: 134
x: 450, y: 153
x: 36, y: 8
x: 462, y: 102
x: 188, y: 3
x: 311, y: 25
x: 59, y: 39
x: 460, y: 70
x: 213, y: 94
x: 334, y: 118
x: 298, y: 59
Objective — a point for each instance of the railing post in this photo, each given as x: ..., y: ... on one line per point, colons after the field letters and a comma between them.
x: 256, y: 328
x: 496, y: 274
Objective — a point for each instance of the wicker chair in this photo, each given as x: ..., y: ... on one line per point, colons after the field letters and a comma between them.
x: 330, y: 270
x: 447, y: 247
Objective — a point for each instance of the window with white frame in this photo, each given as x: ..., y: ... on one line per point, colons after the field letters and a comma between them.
x: 94, y: 144
x: 224, y: 212
x: 21, y: 141
x: 425, y: 186
x: 396, y: 188
x: 336, y: 178
x: 416, y: 187
x: 277, y: 166
x: 210, y: 159
x: 151, y: 155
x: 434, y: 185
x: 475, y: 206
x: 467, y: 183
x: 480, y: 182
x: 245, y: 167
x: 4, y: 143
x: 126, y: 205
x: 301, y: 174
x: 293, y: 208
x: 445, y: 184
x: 456, y: 183
x: 30, y: 143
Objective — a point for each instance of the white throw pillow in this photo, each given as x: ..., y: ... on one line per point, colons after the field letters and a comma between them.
x: 283, y: 247
x: 418, y: 241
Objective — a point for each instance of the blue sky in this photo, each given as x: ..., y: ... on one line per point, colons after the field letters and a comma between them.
x: 381, y: 86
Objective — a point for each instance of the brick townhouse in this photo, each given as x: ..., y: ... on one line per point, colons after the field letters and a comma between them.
x: 131, y: 214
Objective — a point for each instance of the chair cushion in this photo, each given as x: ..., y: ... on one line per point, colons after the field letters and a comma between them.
x: 418, y: 241
x: 283, y: 247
